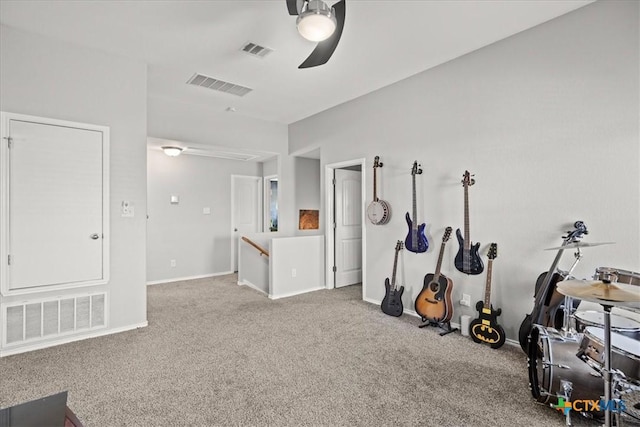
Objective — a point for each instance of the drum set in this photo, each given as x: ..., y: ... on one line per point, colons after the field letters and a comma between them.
x: 595, y: 350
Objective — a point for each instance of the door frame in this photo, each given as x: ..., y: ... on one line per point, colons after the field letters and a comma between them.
x: 329, y: 214
x: 266, y: 201
x: 5, y: 118
x: 233, y: 213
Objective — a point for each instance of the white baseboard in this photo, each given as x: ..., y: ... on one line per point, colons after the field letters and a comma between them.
x: 252, y: 286
x: 179, y: 279
x: 69, y: 339
x: 291, y: 294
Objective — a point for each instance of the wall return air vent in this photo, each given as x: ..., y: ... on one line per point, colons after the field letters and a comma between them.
x: 218, y: 85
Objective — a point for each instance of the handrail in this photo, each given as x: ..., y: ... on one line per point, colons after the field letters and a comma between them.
x: 258, y: 247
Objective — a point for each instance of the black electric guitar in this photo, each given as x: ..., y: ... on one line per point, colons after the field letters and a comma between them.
x: 485, y: 328
x: 392, y: 301
x: 548, y: 308
x: 467, y: 259
x: 434, y: 301
x: 416, y: 240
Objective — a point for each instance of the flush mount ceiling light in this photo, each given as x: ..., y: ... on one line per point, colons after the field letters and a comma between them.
x: 172, y: 151
x: 316, y: 21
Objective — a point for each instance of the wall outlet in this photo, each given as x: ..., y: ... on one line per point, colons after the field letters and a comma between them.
x: 206, y: 211
x: 294, y: 272
x: 173, y: 263
x: 127, y: 209
x: 466, y: 300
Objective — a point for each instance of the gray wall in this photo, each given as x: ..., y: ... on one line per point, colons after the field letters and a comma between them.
x: 43, y: 77
x: 548, y: 122
x: 200, y: 244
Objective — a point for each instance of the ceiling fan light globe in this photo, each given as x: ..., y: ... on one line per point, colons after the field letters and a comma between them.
x: 317, y: 22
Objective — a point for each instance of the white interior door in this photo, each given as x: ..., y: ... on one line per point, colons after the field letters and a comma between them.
x: 348, y: 227
x: 55, y: 205
x: 246, y: 193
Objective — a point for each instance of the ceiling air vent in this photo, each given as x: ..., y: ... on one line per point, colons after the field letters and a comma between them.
x: 256, y: 50
x: 219, y: 85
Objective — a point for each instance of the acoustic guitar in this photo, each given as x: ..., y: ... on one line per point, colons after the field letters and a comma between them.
x: 434, y: 301
x: 392, y: 301
x: 485, y: 329
x: 467, y: 259
x: 378, y: 211
x: 416, y: 240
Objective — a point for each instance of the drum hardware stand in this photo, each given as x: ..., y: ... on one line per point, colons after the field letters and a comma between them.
x: 445, y: 326
x: 568, y: 330
x: 607, y: 363
x: 567, y: 388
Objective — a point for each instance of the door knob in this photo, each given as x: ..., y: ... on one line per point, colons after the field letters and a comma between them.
x: 95, y: 236
x: 235, y: 229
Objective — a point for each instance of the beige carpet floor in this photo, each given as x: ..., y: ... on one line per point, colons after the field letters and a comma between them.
x: 216, y: 354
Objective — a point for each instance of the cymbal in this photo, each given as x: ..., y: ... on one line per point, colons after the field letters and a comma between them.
x: 614, y: 294
x: 576, y: 245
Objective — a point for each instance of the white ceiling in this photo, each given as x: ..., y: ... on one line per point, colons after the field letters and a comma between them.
x: 383, y: 42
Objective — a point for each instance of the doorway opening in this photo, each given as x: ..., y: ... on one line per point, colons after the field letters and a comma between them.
x: 345, y: 234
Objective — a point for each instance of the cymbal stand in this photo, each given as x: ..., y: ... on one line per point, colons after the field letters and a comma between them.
x: 607, y: 363
x: 567, y: 328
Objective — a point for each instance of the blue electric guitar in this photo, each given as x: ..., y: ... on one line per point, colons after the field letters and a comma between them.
x: 416, y: 240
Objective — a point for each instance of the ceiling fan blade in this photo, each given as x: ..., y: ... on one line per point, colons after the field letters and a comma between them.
x: 325, y: 48
x: 292, y: 5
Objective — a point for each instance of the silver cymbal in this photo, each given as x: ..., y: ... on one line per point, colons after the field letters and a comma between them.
x: 576, y: 245
x: 614, y: 294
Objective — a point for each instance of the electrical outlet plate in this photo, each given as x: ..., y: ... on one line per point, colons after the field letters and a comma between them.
x: 466, y: 300
x: 127, y: 209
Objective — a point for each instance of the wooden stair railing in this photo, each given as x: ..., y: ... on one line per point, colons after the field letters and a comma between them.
x: 258, y: 247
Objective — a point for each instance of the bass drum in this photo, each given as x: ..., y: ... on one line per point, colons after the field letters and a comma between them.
x: 555, y: 371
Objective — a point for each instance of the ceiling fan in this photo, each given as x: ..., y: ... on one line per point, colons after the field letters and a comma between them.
x: 321, y: 23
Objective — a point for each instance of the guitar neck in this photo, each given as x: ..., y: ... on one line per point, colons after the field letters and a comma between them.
x: 375, y: 184
x: 395, y: 266
x: 467, y: 241
x: 439, y: 265
x: 415, y: 206
x: 487, y: 289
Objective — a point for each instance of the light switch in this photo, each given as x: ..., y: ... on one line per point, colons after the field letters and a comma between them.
x: 206, y: 211
x: 175, y: 200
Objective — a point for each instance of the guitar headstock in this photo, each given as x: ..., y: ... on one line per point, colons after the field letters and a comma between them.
x: 493, y: 251
x: 467, y: 180
x: 447, y: 234
x: 376, y: 162
x: 416, y: 169
x: 399, y: 246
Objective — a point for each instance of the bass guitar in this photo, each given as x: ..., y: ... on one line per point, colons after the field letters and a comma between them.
x: 434, y: 301
x: 485, y: 329
x: 547, y: 310
x: 378, y: 211
x: 392, y: 301
x: 467, y: 259
x: 416, y: 240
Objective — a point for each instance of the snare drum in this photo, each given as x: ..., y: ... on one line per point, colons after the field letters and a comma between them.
x: 608, y: 274
x: 625, y: 352
x: 553, y: 365
x: 619, y: 324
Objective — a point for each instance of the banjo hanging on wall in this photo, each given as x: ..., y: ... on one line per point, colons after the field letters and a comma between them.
x: 378, y: 211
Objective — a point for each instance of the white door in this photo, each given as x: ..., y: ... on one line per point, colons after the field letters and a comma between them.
x: 55, y: 205
x: 348, y: 227
x: 246, y: 214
